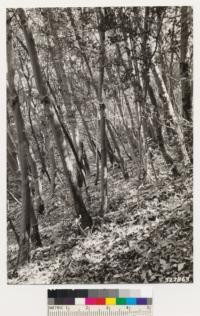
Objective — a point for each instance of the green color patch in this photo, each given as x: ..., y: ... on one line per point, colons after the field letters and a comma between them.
x: 120, y: 301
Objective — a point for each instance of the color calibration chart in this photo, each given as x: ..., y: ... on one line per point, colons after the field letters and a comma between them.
x: 100, y: 302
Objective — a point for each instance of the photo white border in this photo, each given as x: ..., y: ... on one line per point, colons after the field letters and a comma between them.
x: 169, y: 299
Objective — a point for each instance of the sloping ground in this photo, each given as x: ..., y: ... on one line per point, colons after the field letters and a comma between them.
x: 146, y: 236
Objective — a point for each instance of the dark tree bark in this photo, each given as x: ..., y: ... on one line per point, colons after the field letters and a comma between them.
x: 184, y: 65
x: 14, y: 230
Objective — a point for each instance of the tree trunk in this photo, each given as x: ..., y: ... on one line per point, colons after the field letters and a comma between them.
x: 132, y: 141
x: 67, y: 135
x: 38, y: 201
x: 168, y: 159
x: 12, y: 153
x: 104, y: 193
x: 14, y: 230
x: 104, y: 201
x: 82, y: 49
x: 80, y: 208
x: 36, y: 141
x: 184, y: 65
x: 167, y: 103
x: 27, y: 207
x: 121, y: 160
x: 52, y: 168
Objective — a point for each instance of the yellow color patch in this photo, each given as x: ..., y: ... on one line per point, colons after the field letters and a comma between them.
x: 110, y: 301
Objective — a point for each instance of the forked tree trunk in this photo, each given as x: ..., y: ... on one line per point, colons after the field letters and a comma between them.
x: 80, y: 208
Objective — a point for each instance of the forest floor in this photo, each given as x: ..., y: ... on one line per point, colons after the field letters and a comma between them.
x: 145, y: 237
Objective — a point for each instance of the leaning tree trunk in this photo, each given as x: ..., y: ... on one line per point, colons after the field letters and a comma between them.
x: 66, y: 93
x: 132, y: 140
x: 28, y: 216
x: 121, y: 160
x: 49, y: 107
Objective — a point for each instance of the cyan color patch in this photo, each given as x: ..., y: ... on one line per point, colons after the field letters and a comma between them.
x: 131, y: 301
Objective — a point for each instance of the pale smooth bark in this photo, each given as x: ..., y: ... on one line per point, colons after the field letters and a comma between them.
x: 167, y: 103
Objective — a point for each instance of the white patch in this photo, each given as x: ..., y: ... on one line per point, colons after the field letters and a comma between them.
x: 69, y: 164
x: 105, y: 172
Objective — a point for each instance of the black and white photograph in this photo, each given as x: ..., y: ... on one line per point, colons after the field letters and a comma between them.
x: 99, y: 145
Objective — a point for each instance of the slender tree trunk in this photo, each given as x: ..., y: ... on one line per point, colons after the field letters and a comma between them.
x: 184, y: 65
x: 53, y: 167
x: 28, y: 227
x: 37, y: 144
x: 90, y: 142
x: 104, y: 193
x: 80, y: 208
x: 103, y: 162
x: 67, y: 137
x: 120, y: 140
x: 38, y: 201
x: 121, y: 160
x: 82, y: 50
x: 168, y: 159
x: 140, y: 101
x: 132, y: 141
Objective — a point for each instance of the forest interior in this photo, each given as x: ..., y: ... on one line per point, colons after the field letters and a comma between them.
x: 99, y: 145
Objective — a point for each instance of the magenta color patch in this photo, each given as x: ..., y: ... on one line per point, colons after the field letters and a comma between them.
x: 90, y: 301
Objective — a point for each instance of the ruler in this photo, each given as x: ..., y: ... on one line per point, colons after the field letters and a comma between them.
x: 88, y: 310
